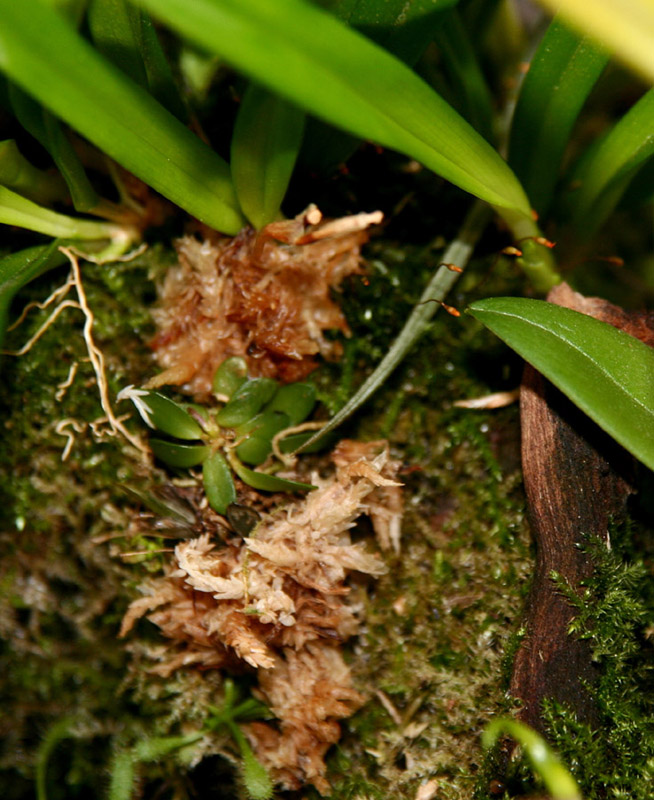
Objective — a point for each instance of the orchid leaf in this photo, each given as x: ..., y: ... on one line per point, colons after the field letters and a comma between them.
x: 606, y: 372
x: 266, y: 482
x: 165, y: 415
x: 229, y: 376
x: 265, y: 144
x: 246, y: 402
x: 178, y: 455
x: 295, y: 400
x: 218, y: 482
x: 315, y: 61
x: 561, y: 75
x: 42, y: 52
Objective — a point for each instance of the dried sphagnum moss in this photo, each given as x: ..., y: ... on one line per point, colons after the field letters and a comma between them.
x: 263, y: 295
x: 277, y: 601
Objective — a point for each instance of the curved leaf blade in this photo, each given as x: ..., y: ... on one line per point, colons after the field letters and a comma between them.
x: 561, y: 75
x: 218, y: 482
x: 182, y: 456
x: 625, y: 26
x: 265, y: 144
x: 606, y: 372
x: 48, y: 59
x: 317, y: 62
x: 606, y: 173
x: 265, y: 481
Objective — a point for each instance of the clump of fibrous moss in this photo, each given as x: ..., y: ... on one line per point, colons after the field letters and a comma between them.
x: 277, y: 602
x: 263, y: 295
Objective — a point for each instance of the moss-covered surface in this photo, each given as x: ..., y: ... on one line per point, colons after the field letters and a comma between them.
x: 434, y: 651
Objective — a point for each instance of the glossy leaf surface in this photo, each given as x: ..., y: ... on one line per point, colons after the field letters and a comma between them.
x: 167, y: 416
x: 561, y: 75
x: 41, y: 52
x: 323, y: 66
x: 246, y: 402
x: 265, y: 144
x: 606, y: 372
x: 296, y: 400
x: 266, y: 482
x: 229, y: 376
x: 179, y: 455
x: 218, y: 482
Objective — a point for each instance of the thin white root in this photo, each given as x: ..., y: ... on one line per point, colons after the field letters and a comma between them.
x: 495, y: 400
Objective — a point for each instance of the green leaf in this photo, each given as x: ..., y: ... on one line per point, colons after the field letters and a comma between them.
x: 182, y: 456
x: 561, y: 75
x: 297, y: 441
x: 559, y: 782
x: 624, y: 26
x: 603, y: 177
x: 47, y: 129
x: 18, y: 210
x: 246, y: 402
x: 606, y: 372
x: 218, y: 482
x: 229, y: 376
x: 125, y: 35
x: 43, y: 54
x: 18, y: 174
x: 257, y: 447
x: 268, y: 483
x: 296, y: 400
x: 265, y: 143
x: 18, y: 269
x: 162, y: 413
x: 315, y: 61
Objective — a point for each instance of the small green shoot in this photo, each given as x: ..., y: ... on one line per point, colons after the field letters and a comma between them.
x: 559, y: 782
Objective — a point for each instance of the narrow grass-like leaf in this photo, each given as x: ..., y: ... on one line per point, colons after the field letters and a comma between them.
x: 44, y: 55
x: 559, y: 782
x: 265, y: 143
x: 18, y: 210
x: 464, y: 72
x: 218, y: 482
x: 604, y: 176
x: 403, y: 28
x: 48, y: 130
x: 606, y: 372
x: 318, y: 63
x: 18, y: 269
x: 18, y: 174
x: 561, y: 75
x: 624, y: 26
x: 178, y: 455
x: 125, y: 35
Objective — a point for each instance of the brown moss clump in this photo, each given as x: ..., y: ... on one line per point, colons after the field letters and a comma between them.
x: 277, y: 602
x: 263, y: 295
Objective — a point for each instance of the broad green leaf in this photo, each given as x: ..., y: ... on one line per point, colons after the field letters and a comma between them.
x: 48, y: 130
x: 218, y: 482
x: 44, y: 55
x: 230, y: 375
x: 18, y: 174
x: 559, y: 782
x: 624, y: 26
x: 264, y: 481
x: 258, y: 446
x: 315, y: 61
x: 561, y: 75
x: 246, y: 402
x: 603, y: 176
x: 606, y: 372
x: 295, y: 400
x: 162, y: 413
x: 265, y: 143
x: 182, y: 456
x: 18, y: 269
